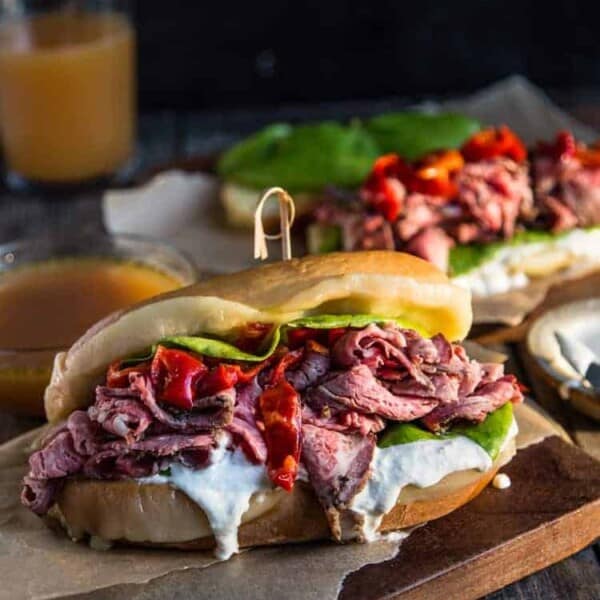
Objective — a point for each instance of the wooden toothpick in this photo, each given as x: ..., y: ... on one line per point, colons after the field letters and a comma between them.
x: 287, y: 214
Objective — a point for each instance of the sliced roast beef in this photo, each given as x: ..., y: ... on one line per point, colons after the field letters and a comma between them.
x: 432, y: 244
x: 369, y: 376
x: 123, y: 416
x: 162, y: 445
x: 357, y: 389
x: 567, y: 192
x: 364, y: 424
x: 338, y: 466
x: 86, y: 433
x: 367, y: 232
x: 445, y: 389
x: 487, y: 398
x: 375, y: 346
x: 243, y: 425
x: 48, y: 468
x: 491, y: 196
x: 420, y: 213
x: 57, y: 459
x: 347, y: 422
x: 370, y: 346
x: 493, y: 193
x: 313, y: 366
x: 118, y: 459
x: 443, y: 349
x: 38, y: 494
x: 558, y: 216
x: 447, y: 380
x: 186, y: 421
x: 114, y: 464
x: 490, y: 371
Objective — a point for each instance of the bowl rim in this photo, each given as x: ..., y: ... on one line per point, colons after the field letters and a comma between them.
x: 51, y: 237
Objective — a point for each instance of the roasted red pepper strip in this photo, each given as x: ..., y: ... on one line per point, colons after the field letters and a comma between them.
x: 253, y: 336
x: 175, y: 374
x: 382, y: 190
x: 333, y: 335
x: 565, y: 147
x: 493, y: 142
x: 562, y: 148
x: 225, y: 376
x: 316, y: 339
x: 288, y: 360
x: 280, y: 410
x: 117, y: 377
x: 298, y: 336
x: 389, y: 199
x: 391, y: 165
x: 432, y: 176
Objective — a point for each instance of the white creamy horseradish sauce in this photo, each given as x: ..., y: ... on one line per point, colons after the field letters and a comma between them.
x: 422, y: 463
x: 224, y: 488
x: 508, y: 268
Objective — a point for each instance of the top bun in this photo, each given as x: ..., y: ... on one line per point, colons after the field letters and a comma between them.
x: 382, y: 283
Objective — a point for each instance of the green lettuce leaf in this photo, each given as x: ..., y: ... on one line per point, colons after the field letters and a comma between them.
x: 220, y: 349
x: 413, y: 134
x: 303, y: 158
x: 335, y: 321
x: 465, y: 258
x: 489, y: 434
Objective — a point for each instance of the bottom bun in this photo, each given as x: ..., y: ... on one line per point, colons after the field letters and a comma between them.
x: 159, y: 515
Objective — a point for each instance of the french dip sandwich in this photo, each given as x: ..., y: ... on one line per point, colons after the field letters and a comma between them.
x: 492, y: 215
x: 325, y: 397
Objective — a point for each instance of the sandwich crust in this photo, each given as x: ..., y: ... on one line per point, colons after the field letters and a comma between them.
x: 159, y: 515
x: 383, y: 283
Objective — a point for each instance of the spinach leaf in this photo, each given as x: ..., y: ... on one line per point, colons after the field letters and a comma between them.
x: 220, y: 349
x: 413, y: 134
x: 335, y: 321
x: 303, y: 158
x: 489, y: 434
x: 465, y: 258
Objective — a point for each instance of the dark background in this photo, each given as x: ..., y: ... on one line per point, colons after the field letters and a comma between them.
x: 197, y: 55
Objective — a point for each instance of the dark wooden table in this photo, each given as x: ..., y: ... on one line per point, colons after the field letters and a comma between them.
x: 167, y: 138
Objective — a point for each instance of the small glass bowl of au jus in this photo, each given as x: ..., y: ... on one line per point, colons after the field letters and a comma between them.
x: 52, y: 289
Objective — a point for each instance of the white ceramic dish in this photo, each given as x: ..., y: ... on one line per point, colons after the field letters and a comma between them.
x: 579, y: 321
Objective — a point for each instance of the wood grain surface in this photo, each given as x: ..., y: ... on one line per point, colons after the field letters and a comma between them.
x: 551, y: 510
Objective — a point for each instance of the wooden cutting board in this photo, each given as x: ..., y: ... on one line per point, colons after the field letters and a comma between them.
x: 551, y: 510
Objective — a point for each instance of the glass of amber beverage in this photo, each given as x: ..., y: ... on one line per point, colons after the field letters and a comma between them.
x: 67, y: 90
